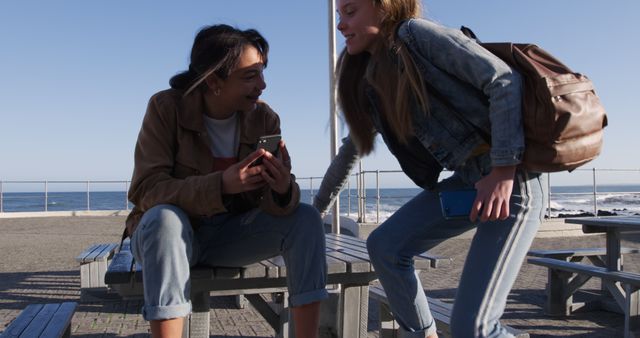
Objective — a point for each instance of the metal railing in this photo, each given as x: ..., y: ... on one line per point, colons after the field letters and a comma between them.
x: 360, y: 178
x: 363, y: 200
x: 45, y: 192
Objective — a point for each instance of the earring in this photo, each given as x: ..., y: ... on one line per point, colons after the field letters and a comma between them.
x: 216, y: 92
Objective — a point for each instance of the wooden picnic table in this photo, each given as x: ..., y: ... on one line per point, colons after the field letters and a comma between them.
x: 621, y: 289
x: 348, y: 267
x: 614, y: 227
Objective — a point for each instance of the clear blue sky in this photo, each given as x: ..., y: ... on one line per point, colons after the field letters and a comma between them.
x: 76, y: 75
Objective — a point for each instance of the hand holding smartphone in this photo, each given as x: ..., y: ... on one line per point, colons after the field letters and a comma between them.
x: 269, y: 143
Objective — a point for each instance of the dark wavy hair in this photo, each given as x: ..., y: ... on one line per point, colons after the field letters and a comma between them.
x: 217, y: 49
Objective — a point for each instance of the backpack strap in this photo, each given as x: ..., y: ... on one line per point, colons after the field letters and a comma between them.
x: 469, y: 33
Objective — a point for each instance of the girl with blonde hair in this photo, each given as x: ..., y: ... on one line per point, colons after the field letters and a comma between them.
x: 439, y: 100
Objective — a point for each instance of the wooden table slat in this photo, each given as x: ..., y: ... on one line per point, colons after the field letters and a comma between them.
x: 335, y: 265
x: 101, y: 252
x: 271, y: 269
x: 255, y: 270
x: 227, y: 273
x: 354, y: 243
x: 60, y: 320
x: 353, y: 264
x: 351, y: 252
x: 40, y: 320
x: 26, y: 316
x: 202, y: 273
x: 278, y: 261
x: 82, y: 257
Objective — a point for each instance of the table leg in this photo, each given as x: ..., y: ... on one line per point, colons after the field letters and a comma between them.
x: 198, y: 324
x: 388, y: 325
x: 614, y: 261
x: 559, y: 298
x: 632, y: 312
x: 353, y: 311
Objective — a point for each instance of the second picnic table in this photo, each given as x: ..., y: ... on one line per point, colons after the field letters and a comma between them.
x: 567, y: 275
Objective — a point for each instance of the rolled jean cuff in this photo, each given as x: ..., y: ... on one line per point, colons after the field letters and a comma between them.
x: 429, y: 330
x: 308, y: 297
x: 166, y: 312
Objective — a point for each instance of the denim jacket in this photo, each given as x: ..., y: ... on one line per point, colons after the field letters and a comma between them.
x: 471, y: 93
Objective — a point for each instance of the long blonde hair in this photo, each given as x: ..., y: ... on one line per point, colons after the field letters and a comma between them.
x: 397, y: 83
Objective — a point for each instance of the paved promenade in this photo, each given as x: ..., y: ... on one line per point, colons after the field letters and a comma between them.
x: 37, y: 264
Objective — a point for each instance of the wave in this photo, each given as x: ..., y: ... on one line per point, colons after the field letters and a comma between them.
x: 561, y: 205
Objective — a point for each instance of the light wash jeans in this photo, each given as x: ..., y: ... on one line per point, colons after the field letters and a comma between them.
x: 492, y: 265
x: 166, y: 246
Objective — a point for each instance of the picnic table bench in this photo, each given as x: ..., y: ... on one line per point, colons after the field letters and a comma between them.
x: 43, y: 321
x: 348, y: 267
x: 440, y: 310
x: 567, y: 273
x: 566, y: 277
x: 93, y: 266
x: 596, y: 256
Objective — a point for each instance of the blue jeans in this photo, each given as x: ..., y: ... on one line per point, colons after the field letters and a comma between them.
x: 492, y: 265
x: 166, y: 246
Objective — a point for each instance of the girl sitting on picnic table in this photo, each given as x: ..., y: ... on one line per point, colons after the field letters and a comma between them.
x: 435, y: 96
x: 201, y: 198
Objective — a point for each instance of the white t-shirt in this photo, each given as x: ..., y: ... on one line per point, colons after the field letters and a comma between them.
x: 224, y: 138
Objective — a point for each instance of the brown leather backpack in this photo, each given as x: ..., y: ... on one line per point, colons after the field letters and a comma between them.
x: 563, y: 117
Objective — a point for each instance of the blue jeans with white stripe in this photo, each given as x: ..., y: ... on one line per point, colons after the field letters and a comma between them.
x: 492, y: 265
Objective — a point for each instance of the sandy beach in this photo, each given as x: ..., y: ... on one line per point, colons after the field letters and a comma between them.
x: 38, y: 266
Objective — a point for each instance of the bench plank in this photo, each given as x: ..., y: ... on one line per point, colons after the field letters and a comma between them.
x: 119, y: 271
x: 596, y: 271
x: 578, y: 252
x: 40, y: 321
x: 348, y: 251
x: 255, y: 270
x: 440, y: 310
x: 94, y: 261
x: 353, y: 264
x: 102, y: 252
x: 23, y: 320
x: 61, y: 321
x: 271, y: 269
x: 43, y: 320
x: 87, y: 252
x: 420, y: 262
x: 278, y: 262
x: 335, y: 265
x: 227, y: 273
x: 433, y: 261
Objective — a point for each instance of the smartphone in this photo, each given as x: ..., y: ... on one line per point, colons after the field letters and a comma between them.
x: 456, y: 204
x: 269, y: 143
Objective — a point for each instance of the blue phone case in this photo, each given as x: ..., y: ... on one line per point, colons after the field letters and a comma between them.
x: 457, y: 203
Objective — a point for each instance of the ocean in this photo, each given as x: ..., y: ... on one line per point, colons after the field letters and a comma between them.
x: 565, y: 201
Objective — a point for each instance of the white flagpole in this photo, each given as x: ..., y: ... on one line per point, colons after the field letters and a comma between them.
x: 335, y: 225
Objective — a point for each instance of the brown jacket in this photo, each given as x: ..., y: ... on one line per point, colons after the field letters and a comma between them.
x: 173, y: 163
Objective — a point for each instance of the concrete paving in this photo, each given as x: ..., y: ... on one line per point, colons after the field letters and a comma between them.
x: 37, y: 265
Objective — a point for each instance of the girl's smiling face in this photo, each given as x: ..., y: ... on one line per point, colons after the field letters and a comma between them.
x: 242, y: 88
x: 359, y: 23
